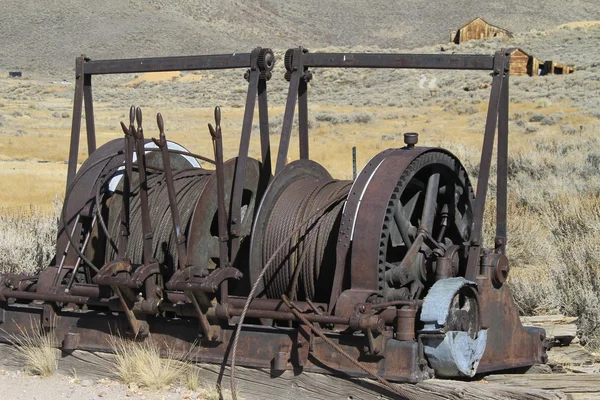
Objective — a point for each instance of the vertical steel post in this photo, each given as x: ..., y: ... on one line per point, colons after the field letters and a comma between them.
x: 502, y: 167
x: 263, y: 121
x: 491, y: 124
x: 303, y: 118
x: 235, y: 213
x: 76, y: 123
x: 295, y: 70
x: 353, y: 162
x: 89, y: 113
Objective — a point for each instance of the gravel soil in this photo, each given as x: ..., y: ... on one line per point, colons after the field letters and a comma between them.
x: 17, y: 385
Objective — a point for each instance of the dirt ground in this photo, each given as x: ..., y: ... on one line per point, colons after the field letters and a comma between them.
x: 17, y: 385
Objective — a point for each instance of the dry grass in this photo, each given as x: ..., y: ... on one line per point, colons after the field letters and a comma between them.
x: 37, y: 349
x: 146, y: 365
x: 141, y: 363
x: 207, y: 392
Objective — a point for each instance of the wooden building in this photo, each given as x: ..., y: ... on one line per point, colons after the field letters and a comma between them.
x: 477, y: 29
x: 522, y: 63
x: 519, y: 61
x: 553, y: 67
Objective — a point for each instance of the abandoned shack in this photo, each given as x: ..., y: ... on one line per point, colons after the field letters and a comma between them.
x: 478, y: 28
x: 15, y: 74
x: 553, y: 67
x: 522, y: 63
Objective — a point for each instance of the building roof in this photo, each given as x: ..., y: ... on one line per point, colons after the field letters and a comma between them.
x: 484, y: 21
x: 513, y: 49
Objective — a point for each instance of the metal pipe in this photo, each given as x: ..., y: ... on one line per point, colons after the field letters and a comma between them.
x: 146, y: 224
x: 63, y: 298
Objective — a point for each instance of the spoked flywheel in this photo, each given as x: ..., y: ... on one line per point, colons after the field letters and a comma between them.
x: 431, y: 203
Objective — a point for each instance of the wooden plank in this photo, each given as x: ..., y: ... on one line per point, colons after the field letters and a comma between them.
x: 574, y: 354
x: 566, y: 383
x: 260, y: 384
x: 558, y: 328
x: 548, y: 319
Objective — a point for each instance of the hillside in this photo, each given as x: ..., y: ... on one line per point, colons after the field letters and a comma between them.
x: 44, y: 37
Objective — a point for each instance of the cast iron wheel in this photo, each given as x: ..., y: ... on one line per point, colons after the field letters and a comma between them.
x: 433, y: 193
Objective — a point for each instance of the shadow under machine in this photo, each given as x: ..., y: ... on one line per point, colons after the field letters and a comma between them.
x: 382, y: 275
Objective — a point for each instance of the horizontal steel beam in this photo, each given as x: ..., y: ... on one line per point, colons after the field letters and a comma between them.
x: 161, y: 64
x: 258, y: 345
x: 416, y: 61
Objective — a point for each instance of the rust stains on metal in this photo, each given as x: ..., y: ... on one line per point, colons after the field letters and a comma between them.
x: 177, y: 251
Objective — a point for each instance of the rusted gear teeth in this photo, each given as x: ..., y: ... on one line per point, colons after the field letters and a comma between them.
x: 287, y: 60
x: 266, y: 60
x: 288, y: 75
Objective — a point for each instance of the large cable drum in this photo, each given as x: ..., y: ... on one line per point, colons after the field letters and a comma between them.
x: 296, y: 231
x: 97, y: 190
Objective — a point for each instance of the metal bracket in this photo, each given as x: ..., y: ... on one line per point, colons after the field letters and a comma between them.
x: 49, y: 317
x: 195, y: 278
x: 302, y: 344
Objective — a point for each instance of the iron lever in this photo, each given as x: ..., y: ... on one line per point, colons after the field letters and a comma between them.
x: 164, y: 150
x: 217, y: 139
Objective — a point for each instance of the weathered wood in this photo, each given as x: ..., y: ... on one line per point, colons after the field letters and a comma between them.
x: 478, y: 29
x: 558, y: 328
x: 567, y: 383
x: 518, y: 62
x: 260, y: 384
x: 548, y: 319
x: 563, y: 334
x: 574, y: 354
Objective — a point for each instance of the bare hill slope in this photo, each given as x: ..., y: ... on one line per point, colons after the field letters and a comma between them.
x: 45, y: 36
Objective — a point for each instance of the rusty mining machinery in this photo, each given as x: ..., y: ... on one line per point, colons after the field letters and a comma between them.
x: 384, y: 275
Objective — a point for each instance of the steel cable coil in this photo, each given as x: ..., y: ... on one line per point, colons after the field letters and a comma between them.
x: 304, y: 270
x: 188, y: 184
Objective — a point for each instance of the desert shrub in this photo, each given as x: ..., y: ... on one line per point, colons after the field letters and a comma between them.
x: 577, y: 282
x: 326, y: 116
x: 27, y: 241
x: 361, y: 117
x: 543, y: 103
x: 569, y: 129
x: 533, y: 290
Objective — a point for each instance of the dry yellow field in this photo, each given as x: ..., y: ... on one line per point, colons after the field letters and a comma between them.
x: 34, y: 146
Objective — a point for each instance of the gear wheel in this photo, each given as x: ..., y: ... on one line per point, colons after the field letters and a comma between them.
x: 266, y: 60
x: 287, y: 60
x: 410, y: 183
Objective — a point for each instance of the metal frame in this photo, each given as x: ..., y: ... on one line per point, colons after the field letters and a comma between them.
x: 397, y: 358
x: 258, y: 71
x: 299, y: 60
